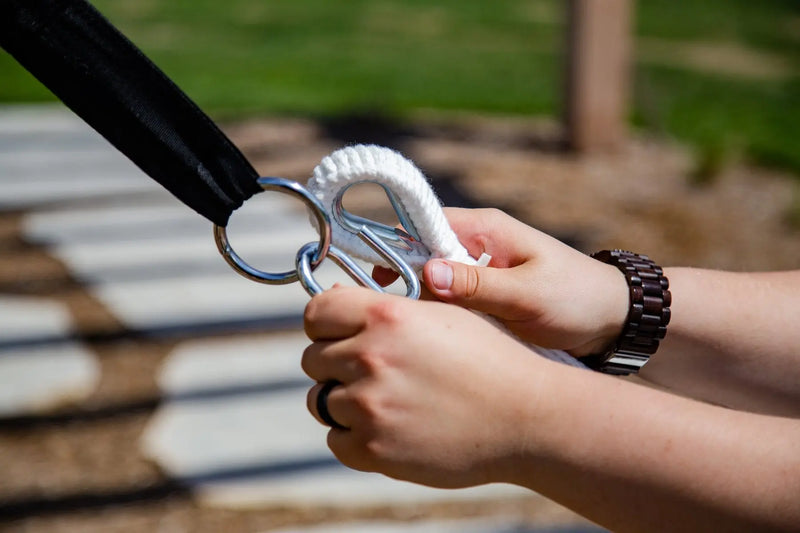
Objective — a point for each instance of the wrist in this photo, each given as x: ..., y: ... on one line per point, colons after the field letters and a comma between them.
x: 531, y: 409
x: 617, y: 304
x: 545, y: 428
x: 607, y: 310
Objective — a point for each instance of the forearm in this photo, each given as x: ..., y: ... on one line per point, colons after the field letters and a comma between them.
x: 734, y: 339
x: 636, y: 459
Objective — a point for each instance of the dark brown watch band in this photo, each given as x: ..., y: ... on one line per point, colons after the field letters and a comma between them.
x: 648, y: 315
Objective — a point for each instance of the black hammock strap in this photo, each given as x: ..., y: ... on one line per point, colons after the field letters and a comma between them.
x: 107, y: 81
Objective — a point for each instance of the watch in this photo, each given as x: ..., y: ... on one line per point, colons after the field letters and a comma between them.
x: 648, y: 314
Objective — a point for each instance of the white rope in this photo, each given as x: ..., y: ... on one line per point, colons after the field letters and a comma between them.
x: 375, y: 164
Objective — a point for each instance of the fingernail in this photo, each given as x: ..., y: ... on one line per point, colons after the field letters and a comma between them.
x: 441, y: 275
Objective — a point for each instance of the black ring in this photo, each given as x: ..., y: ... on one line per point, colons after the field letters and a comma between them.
x: 322, y: 405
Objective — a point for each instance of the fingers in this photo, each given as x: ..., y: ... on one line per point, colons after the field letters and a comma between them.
x: 479, y: 231
x: 325, y: 399
x: 347, y: 445
x: 333, y: 361
x: 490, y: 231
x: 324, y: 317
x: 496, y: 291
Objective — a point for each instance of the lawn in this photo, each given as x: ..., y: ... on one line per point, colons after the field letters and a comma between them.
x: 723, y: 75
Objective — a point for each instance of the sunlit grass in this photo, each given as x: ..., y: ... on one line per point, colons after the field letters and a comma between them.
x: 320, y: 58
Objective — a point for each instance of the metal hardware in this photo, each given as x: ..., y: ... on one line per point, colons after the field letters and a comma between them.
x: 305, y: 266
x: 292, y: 188
x: 394, y: 237
x: 380, y: 237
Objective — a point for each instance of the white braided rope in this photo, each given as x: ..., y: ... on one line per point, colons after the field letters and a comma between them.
x: 376, y: 164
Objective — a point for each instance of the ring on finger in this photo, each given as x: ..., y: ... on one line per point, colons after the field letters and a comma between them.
x: 322, y: 405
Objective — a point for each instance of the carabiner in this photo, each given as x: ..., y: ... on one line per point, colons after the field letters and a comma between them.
x: 408, y: 240
x: 304, y: 265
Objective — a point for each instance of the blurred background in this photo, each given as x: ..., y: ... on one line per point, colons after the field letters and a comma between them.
x: 663, y: 127
x: 721, y: 76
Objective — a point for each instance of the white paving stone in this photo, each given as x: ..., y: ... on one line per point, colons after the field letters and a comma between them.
x: 47, y: 154
x: 42, y: 190
x: 28, y: 318
x: 257, y: 444
x: 38, y: 377
x: 479, y: 525
x: 18, y: 120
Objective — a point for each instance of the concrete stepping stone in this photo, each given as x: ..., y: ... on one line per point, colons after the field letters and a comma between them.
x: 35, y: 378
x: 35, y: 120
x: 26, y: 318
x: 47, y: 154
x: 236, y: 428
x: 476, y: 525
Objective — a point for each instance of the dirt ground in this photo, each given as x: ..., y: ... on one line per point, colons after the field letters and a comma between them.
x: 79, y: 468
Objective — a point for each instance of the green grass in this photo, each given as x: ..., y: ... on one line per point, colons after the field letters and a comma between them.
x: 323, y: 58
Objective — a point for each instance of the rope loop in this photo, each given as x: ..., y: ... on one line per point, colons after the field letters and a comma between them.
x: 426, y: 233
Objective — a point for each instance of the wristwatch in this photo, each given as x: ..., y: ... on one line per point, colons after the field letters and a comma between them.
x: 648, y: 314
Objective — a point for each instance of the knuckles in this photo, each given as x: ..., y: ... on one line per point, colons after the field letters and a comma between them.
x: 368, y: 407
x: 385, y: 313
x: 311, y: 317
x: 307, y: 362
x: 492, y: 215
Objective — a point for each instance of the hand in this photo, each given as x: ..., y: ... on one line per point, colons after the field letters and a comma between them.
x: 429, y: 392
x: 544, y: 291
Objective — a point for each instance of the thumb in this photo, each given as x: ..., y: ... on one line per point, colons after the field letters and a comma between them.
x: 484, y: 289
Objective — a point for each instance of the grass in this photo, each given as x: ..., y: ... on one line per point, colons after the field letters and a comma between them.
x: 321, y: 58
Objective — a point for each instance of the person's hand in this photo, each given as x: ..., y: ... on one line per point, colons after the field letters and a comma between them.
x: 429, y: 392
x: 544, y: 291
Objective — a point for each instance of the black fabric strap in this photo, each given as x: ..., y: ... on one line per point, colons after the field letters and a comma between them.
x: 98, y: 73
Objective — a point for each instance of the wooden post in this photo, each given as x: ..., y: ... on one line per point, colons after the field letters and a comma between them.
x: 598, y: 73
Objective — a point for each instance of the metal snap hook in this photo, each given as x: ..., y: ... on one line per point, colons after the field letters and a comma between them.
x: 304, y: 265
x: 394, y: 237
x: 321, y: 248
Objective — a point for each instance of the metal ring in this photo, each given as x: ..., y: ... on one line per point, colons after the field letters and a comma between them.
x: 279, y: 278
x: 322, y: 404
x: 345, y: 262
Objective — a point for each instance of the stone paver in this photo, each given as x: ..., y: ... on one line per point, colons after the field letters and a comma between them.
x: 48, y: 155
x: 25, y: 318
x: 39, y: 377
x: 482, y: 525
